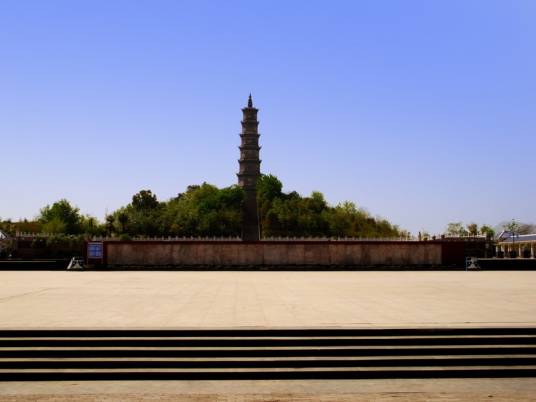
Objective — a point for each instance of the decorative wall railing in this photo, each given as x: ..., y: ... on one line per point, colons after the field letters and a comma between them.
x: 28, y: 235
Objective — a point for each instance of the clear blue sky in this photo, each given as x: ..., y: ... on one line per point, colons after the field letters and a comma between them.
x: 423, y: 112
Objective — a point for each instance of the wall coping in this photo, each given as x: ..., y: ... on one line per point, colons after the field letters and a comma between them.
x: 280, y: 242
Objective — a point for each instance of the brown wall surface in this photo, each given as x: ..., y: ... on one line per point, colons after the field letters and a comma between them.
x: 272, y: 253
x: 38, y: 248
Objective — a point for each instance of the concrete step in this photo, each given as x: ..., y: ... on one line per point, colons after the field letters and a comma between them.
x: 275, y: 369
x: 265, y: 354
x: 285, y: 362
x: 186, y: 352
x: 221, y: 342
x: 175, y: 337
x: 272, y: 373
x: 282, y: 358
x: 265, y: 332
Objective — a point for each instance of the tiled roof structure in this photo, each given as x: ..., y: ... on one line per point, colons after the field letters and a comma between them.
x: 507, y: 236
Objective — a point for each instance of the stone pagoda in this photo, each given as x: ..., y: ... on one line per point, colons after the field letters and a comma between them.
x: 249, y: 172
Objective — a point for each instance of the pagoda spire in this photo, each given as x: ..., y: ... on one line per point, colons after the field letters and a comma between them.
x: 249, y: 171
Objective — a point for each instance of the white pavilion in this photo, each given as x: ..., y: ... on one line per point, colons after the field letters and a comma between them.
x: 522, y: 246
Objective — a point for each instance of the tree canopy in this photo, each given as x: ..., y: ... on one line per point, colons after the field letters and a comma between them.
x: 458, y: 229
x: 62, y: 217
x: 202, y: 210
x: 206, y: 210
x: 289, y: 214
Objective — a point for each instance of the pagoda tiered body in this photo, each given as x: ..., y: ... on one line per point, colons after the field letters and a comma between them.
x: 249, y: 172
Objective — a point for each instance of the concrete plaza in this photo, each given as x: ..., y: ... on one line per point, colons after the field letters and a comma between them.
x: 440, y: 390
x: 158, y: 299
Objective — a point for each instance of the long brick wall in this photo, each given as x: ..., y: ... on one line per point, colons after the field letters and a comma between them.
x: 274, y: 253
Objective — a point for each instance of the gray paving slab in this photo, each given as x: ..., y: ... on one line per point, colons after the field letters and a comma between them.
x: 159, y: 299
x: 523, y: 389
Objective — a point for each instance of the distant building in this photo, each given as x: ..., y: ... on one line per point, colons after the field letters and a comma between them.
x: 513, y: 245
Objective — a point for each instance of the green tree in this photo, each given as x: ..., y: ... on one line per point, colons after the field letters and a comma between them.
x: 144, y: 200
x: 512, y: 226
x: 472, y: 229
x: 487, y: 231
x: 55, y: 225
x: 206, y: 210
x: 141, y: 217
x: 455, y: 229
x: 61, y: 217
x: 268, y: 188
x: 283, y: 214
x: 91, y: 226
x: 109, y: 225
x: 122, y: 219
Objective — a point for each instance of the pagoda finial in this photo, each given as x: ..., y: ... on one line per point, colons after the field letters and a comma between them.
x: 250, y: 101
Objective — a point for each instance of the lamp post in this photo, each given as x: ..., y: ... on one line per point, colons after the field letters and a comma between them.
x: 513, y: 242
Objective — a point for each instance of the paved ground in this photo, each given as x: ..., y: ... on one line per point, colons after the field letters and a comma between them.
x: 275, y: 299
x: 260, y: 299
x: 444, y: 390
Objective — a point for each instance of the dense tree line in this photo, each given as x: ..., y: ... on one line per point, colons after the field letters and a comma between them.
x: 59, y: 218
x: 289, y: 214
x: 472, y: 229
x: 205, y: 210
